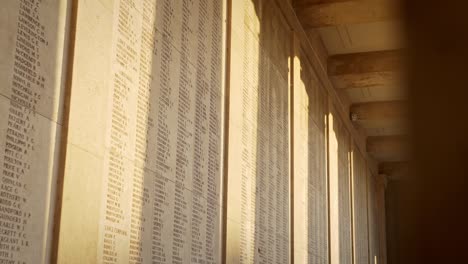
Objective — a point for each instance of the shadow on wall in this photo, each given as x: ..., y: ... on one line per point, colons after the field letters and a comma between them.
x: 340, y: 203
x: 162, y: 133
x: 310, y: 167
x: 273, y: 138
x: 266, y: 51
x: 178, y: 139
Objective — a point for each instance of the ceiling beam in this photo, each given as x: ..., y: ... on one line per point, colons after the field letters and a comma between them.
x: 365, y: 70
x: 308, y: 3
x: 388, y: 148
x: 336, y: 13
x: 388, y: 168
x: 379, y: 111
x: 366, y: 62
x: 394, y: 170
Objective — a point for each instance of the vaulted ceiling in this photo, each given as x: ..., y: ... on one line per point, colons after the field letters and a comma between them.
x: 364, y: 42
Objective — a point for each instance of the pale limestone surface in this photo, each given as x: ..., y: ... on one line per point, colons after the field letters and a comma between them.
x: 143, y: 168
x: 360, y: 212
x: 310, y: 165
x: 258, y: 174
x: 340, y: 189
x: 31, y: 95
x: 146, y: 118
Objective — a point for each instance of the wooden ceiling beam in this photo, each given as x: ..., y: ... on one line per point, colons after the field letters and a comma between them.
x: 307, y: 3
x: 394, y: 170
x: 366, y: 62
x: 379, y: 111
x: 317, y: 14
x: 365, y: 70
x: 390, y: 168
x: 388, y: 148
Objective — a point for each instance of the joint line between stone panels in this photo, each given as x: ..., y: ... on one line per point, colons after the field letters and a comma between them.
x: 225, y: 159
x: 34, y: 111
x: 132, y: 161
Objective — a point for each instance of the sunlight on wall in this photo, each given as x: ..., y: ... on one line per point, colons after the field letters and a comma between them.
x: 258, y: 195
x: 301, y: 166
x: 244, y: 110
x: 333, y: 181
x: 340, y: 190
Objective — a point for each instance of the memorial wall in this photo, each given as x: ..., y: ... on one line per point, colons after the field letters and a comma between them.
x: 360, y: 214
x: 374, y: 249
x: 258, y: 171
x: 116, y: 142
x: 340, y: 190
x: 31, y: 96
x: 310, y: 165
x: 381, y: 224
x: 376, y: 205
x: 148, y: 89
x: 344, y: 192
